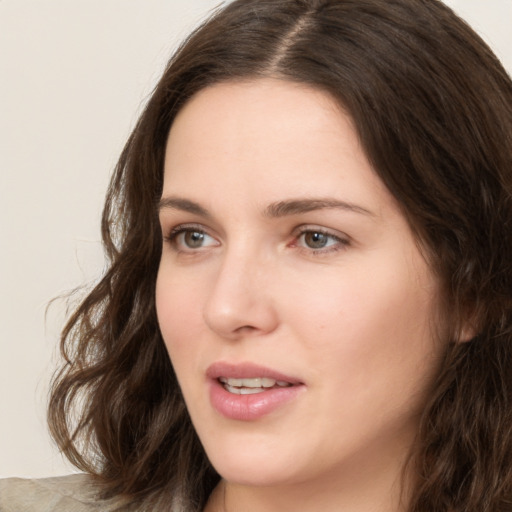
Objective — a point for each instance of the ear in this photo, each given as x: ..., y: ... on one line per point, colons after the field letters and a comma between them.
x: 469, y: 327
x: 467, y: 333
x: 468, y: 319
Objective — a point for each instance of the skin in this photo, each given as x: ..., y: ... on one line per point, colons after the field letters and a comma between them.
x: 355, y: 320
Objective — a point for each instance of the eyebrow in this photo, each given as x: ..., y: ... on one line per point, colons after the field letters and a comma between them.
x: 273, y: 210
x: 297, y: 206
x: 185, y: 205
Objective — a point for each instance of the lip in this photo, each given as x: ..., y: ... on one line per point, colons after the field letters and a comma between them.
x: 254, y: 406
x: 247, y: 371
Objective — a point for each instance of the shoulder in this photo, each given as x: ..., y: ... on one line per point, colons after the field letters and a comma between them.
x: 72, y: 493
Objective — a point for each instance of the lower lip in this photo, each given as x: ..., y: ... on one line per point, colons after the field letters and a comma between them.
x: 250, y: 407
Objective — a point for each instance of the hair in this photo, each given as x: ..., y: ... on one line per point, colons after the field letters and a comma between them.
x: 432, y: 107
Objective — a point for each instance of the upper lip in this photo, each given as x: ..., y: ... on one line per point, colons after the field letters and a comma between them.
x: 247, y: 371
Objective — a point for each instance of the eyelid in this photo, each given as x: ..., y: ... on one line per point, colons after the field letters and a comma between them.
x: 179, y: 229
x: 342, y: 240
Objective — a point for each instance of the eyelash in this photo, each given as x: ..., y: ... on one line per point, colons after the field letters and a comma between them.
x: 339, y: 244
x: 182, y: 229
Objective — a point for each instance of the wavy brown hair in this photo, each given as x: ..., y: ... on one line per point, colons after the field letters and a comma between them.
x: 433, y: 110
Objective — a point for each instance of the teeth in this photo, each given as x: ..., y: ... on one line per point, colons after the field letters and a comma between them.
x: 260, y: 382
x: 249, y: 386
x: 243, y: 391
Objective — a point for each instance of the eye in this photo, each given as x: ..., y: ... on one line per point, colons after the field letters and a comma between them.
x: 190, y: 238
x: 319, y: 240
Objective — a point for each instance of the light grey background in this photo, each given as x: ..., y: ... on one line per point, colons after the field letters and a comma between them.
x: 73, y: 77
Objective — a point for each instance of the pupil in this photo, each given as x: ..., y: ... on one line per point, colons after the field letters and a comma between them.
x: 316, y: 240
x: 194, y: 239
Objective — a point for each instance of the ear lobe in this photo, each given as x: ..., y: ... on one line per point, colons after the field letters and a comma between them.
x: 467, y: 332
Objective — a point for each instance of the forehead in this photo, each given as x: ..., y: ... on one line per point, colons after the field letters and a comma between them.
x: 252, y: 110
x: 267, y: 131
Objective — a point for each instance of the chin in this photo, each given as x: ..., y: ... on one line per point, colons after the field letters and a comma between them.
x: 256, y: 476
x: 253, y: 464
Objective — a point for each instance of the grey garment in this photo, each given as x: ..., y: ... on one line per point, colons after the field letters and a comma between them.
x: 72, y: 493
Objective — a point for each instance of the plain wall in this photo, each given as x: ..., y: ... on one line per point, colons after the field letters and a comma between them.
x: 73, y: 77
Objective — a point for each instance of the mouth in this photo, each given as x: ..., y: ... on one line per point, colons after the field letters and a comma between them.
x: 249, y: 376
x: 251, y: 386
x: 249, y: 392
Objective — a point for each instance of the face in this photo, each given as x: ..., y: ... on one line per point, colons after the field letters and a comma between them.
x: 296, y: 307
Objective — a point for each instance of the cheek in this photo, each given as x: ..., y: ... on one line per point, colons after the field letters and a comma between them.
x: 372, y: 326
x: 178, y: 317
x: 352, y: 303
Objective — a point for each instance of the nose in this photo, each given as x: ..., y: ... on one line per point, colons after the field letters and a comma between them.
x: 240, y: 302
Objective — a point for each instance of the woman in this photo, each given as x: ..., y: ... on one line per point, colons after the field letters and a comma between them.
x: 309, y: 302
